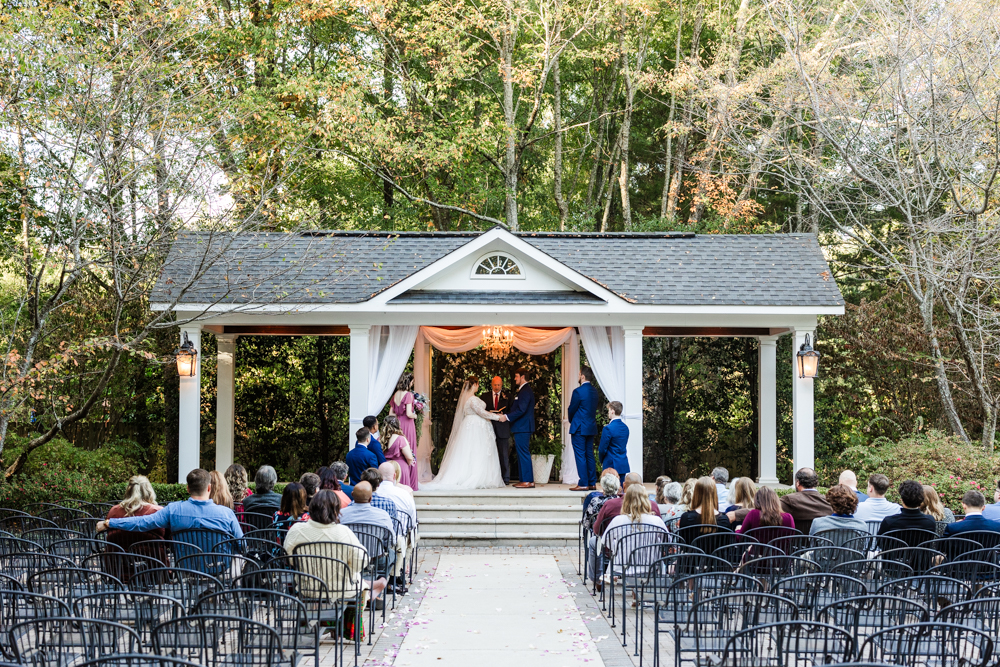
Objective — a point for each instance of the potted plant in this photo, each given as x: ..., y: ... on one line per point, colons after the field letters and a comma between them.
x: 544, y: 452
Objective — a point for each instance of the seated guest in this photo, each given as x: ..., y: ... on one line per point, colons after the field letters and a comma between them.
x: 589, y: 498
x: 362, y: 511
x: 876, y: 507
x: 322, y: 526
x: 844, y: 503
x: 687, y: 493
x: 236, y: 478
x: 374, y: 478
x: 359, y: 458
x: 310, y: 481
x: 196, y: 512
x: 264, y: 500
x: 220, y: 490
x: 743, y: 494
x: 806, y: 504
x: 973, y: 503
x: 140, y: 500
x: 328, y: 482
x: 609, y: 489
x: 613, y: 506
x: 668, y: 501
x: 398, y: 478
x: 992, y: 511
x: 341, y: 472
x: 933, y: 507
x: 660, y: 482
x: 293, y: 507
x: 850, y: 480
x: 636, y: 508
x: 374, y: 444
x: 390, y: 488
x: 910, y: 516
x: 721, y: 477
x: 704, y: 507
x: 766, y: 512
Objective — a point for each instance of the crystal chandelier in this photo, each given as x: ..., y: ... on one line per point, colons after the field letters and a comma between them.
x: 497, y: 341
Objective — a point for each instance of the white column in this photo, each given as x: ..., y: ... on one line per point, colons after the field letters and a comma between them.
x: 225, y: 401
x: 360, y: 335
x: 632, y: 415
x: 767, y: 368
x: 422, y: 385
x: 570, y: 381
x: 803, y: 427
x: 189, y: 409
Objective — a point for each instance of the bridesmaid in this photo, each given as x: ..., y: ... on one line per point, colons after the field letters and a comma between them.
x: 402, y: 406
x: 397, y: 448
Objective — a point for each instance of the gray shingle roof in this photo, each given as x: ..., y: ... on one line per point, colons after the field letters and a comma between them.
x: 499, y: 298
x: 352, y: 267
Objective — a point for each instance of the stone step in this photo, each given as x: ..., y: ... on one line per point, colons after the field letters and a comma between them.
x: 571, y: 514
x: 490, y: 526
x: 498, y: 539
x: 528, y: 497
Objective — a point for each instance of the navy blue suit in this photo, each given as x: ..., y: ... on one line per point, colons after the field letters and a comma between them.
x: 522, y: 424
x: 358, y: 460
x: 582, y: 428
x: 972, y: 522
x: 375, y: 447
x: 613, y: 449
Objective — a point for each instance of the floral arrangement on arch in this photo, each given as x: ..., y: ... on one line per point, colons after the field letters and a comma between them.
x: 420, y: 408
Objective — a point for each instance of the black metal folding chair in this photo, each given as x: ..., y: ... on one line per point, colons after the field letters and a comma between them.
x: 789, y: 643
x: 18, y: 606
x: 871, y: 545
x: 767, y: 534
x: 137, y: 660
x: 219, y: 641
x: 812, y: 592
x: 874, y: 571
x: 49, y: 536
x: 185, y: 586
x: 121, y: 565
x: 772, y: 569
x: 932, y: 591
x: 69, y: 583
x: 793, y: 544
x: 22, y: 565
x: 982, y: 613
x: 840, y: 535
x: 223, y: 566
x: 913, y: 537
x: 140, y: 611
x: 62, y: 641
x: 974, y: 572
x: 79, y: 549
x: 933, y: 643
x: 620, y: 543
x: 919, y: 559
x: 866, y: 614
x: 380, y: 543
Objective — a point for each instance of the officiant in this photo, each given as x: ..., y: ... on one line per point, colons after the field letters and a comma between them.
x: 497, y: 400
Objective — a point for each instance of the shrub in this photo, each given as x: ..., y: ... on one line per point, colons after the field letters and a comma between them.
x: 934, y: 458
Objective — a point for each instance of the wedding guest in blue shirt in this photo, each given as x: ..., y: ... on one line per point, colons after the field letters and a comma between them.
x: 360, y: 458
x: 374, y: 443
x: 197, y: 512
x: 992, y: 512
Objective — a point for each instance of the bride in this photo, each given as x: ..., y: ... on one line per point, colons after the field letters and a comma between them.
x: 470, y: 460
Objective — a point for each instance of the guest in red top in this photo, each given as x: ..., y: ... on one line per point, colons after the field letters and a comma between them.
x: 140, y: 500
x: 766, y: 512
x: 236, y: 478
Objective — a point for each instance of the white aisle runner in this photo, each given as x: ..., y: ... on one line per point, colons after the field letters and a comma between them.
x: 481, y: 611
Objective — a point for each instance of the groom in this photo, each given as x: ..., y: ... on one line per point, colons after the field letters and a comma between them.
x: 522, y: 424
x: 497, y: 400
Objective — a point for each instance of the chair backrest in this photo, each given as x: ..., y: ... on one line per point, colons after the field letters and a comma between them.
x: 988, y: 539
x: 767, y: 534
x: 675, y: 597
x: 49, y: 536
x: 69, y: 583
x: 17, y: 606
x: 733, y: 612
x: 223, y: 566
x: 864, y: 614
x: 309, y: 589
x: 772, y: 569
x: 328, y: 562
x: 140, y: 611
x: 874, y: 571
x: 868, y: 544
x: 377, y: 540
x: 985, y: 555
x: 622, y: 541
x: 918, y: 558
x: 689, y: 533
x: 213, y: 641
x: 13, y: 545
x: 713, y: 541
x: 840, y: 535
x: 63, y: 514
x: 77, y: 549
x: 975, y: 572
x: 258, y: 520
x: 24, y: 564
x: 137, y: 660
x: 937, y: 643
x: 121, y: 565
x: 185, y: 586
x: 933, y: 591
x: 914, y: 537
x: 19, y: 523
x: 37, y: 641
x: 952, y: 547
x: 812, y: 592
x: 285, y: 613
x: 829, y: 557
x: 982, y: 613
x: 794, y: 642
x: 793, y: 544
x: 197, y: 540
x: 873, y: 526
x: 165, y: 551
x: 740, y: 552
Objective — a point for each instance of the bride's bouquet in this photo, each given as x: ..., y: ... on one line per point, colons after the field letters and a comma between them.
x: 419, y: 407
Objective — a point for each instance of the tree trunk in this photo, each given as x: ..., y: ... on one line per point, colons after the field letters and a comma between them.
x: 941, y: 374
x: 387, y: 86
x: 557, y: 175
x: 668, y: 158
x: 682, y: 142
x: 510, y: 157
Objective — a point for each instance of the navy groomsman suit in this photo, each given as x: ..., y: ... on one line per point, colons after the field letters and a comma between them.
x: 582, y: 428
x: 522, y: 424
x: 613, y: 449
x: 375, y: 447
x: 358, y: 460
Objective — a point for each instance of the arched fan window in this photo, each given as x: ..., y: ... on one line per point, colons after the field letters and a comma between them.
x: 497, y: 265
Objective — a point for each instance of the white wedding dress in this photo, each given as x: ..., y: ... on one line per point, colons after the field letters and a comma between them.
x: 470, y: 459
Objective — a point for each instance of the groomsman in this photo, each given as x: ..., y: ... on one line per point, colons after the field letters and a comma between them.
x: 613, y: 449
x: 374, y: 443
x: 522, y: 424
x: 497, y: 400
x: 583, y: 428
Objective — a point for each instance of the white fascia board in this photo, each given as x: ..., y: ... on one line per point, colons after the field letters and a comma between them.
x: 477, y: 245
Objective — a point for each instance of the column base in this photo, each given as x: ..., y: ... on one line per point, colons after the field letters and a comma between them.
x: 768, y: 481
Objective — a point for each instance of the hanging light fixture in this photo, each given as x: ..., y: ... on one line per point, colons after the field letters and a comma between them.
x: 497, y: 341
x: 187, y: 358
x: 808, y: 359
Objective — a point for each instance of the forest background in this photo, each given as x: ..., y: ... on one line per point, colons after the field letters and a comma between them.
x: 873, y: 125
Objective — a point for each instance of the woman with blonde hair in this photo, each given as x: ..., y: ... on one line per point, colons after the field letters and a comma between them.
x: 687, y: 493
x: 704, y: 508
x: 636, y: 508
x: 219, y: 493
x: 237, y: 479
x: 743, y: 494
x: 140, y: 500
x: 933, y: 506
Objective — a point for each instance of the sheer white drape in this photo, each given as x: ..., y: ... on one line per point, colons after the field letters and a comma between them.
x: 605, y: 347
x: 571, y: 380
x: 526, y: 339
x: 389, y: 349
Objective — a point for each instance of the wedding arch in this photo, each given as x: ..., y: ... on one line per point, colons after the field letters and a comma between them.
x: 402, y: 294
